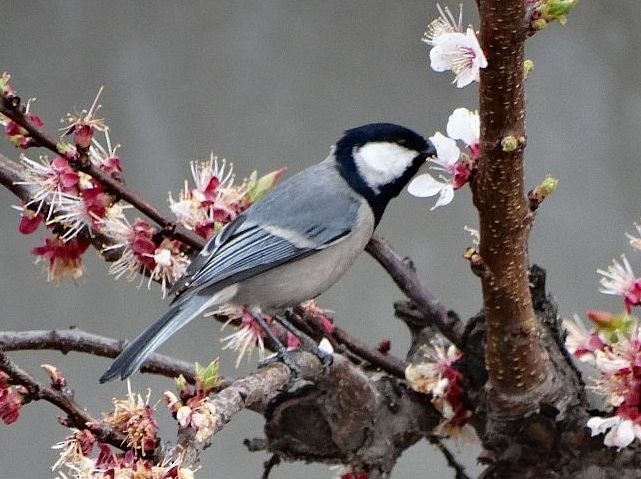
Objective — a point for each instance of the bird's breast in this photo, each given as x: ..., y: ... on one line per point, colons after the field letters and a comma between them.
x: 298, y: 281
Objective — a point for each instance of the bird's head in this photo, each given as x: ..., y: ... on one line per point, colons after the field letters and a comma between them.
x: 379, y: 159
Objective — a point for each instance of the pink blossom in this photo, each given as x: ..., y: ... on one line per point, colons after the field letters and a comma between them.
x: 84, y: 124
x: 170, y: 263
x: 136, y: 243
x: 215, y: 200
x: 580, y: 342
x: 248, y: 335
x: 61, y: 258
x: 82, y: 134
x: 619, y: 280
x: 29, y: 221
x: 104, y: 156
x: 50, y: 180
x: 10, y: 401
x: 17, y: 135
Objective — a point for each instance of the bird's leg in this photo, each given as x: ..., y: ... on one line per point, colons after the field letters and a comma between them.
x: 308, y: 343
x: 282, y: 354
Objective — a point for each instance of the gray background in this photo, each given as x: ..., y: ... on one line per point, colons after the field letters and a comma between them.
x: 273, y: 83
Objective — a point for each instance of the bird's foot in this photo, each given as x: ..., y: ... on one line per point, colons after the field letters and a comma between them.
x: 296, y: 381
x: 308, y: 344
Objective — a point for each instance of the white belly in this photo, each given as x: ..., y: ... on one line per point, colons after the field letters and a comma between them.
x: 291, y: 284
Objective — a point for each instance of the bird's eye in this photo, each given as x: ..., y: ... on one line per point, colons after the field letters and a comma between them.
x: 402, y: 142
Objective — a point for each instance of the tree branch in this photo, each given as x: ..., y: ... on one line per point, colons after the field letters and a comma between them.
x: 118, y: 189
x: 65, y: 340
x: 459, y: 469
x: 515, y: 360
x: 404, y: 275
x: 63, y: 400
x: 358, y: 348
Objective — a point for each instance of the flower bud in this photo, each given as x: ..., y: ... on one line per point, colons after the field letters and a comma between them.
x: 258, y: 187
x: 58, y: 381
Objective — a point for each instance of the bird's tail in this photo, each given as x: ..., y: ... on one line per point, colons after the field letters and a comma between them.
x: 151, y: 338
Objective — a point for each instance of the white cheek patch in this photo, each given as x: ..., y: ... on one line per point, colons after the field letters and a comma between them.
x: 382, y: 163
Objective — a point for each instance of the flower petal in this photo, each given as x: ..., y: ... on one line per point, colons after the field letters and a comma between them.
x: 464, y: 125
x: 424, y: 186
x: 621, y: 435
x: 599, y: 425
x: 446, y: 150
x: 445, y: 198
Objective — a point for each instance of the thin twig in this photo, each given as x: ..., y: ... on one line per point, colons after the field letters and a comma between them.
x: 118, y: 189
x: 403, y: 273
x: 63, y: 400
x: 269, y: 465
x: 12, y: 174
x: 449, y: 457
x: 65, y: 340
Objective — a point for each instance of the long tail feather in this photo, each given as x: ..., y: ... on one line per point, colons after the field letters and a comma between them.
x: 151, y: 338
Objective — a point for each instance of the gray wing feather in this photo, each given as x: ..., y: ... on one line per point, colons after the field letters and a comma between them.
x: 313, y: 206
x: 130, y: 359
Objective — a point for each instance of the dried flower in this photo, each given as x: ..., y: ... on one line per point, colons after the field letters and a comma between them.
x: 50, y: 179
x: 10, y: 400
x: 57, y: 379
x: 436, y: 375
x: 170, y: 264
x: 635, y: 242
x: 248, y: 335
x: 134, y: 417
x: 61, y: 259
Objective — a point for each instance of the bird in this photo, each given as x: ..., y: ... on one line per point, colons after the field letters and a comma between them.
x: 297, y: 241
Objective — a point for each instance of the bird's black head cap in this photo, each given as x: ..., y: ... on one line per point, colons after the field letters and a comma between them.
x: 379, y: 159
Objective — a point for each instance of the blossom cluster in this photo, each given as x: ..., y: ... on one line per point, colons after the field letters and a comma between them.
x: 455, y: 168
x: 249, y: 336
x: 62, y: 197
x: 134, y: 417
x: 75, y: 206
x: 453, y: 48
x: 142, y: 250
x: 613, y: 347
x: 83, y: 456
x: 214, y: 200
x: 436, y: 374
x: 192, y: 407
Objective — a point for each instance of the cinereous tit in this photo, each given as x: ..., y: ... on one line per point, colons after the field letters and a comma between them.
x: 297, y: 241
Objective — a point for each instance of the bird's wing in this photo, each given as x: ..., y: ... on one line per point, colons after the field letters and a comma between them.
x: 291, y: 222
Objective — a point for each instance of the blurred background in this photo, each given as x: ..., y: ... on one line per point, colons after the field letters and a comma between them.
x: 268, y: 84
